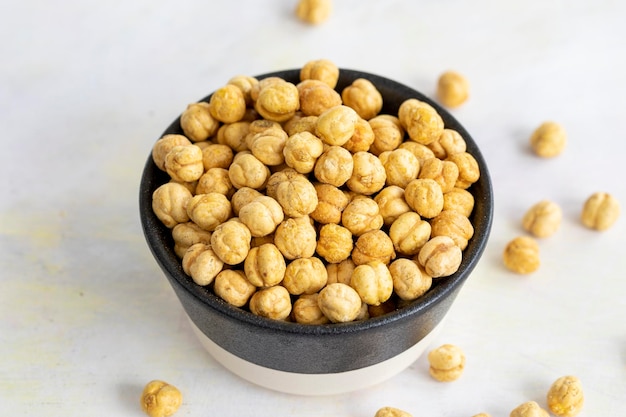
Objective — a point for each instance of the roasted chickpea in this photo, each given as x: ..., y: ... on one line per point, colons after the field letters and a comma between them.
x: 339, y: 302
x: 188, y: 234
x: 316, y: 97
x: 373, y: 282
x: 331, y: 201
x: 183, y: 163
x: 243, y: 196
x: 231, y: 241
x: 334, y: 166
x: 374, y: 245
x: 459, y: 200
x: 449, y: 143
x: 197, y: 122
x: 440, y: 256
x: 363, y: 96
x: 297, y: 196
x: 227, y: 104
x: 306, y: 310
x: 388, y: 133
x: 340, y: 272
x: 362, y: 139
x: 209, y: 210
x: 401, y: 167
x: 247, y: 171
x: 336, y: 125
x: 454, y: 225
x: 245, y: 84
x: 334, y: 243
x: 296, y: 238
x: 368, y: 175
x: 201, y: 263
x: 391, y: 203
x: 169, y: 203
x: 452, y: 89
x: 409, y: 233
x: 272, y: 302
x: 305, y: 276
x: 262, y: 215
x: 234, y: 135
x: 320, y: 69
x: 421, y: 121
x: 361, y: 215
x: 446, y: 173
x: 425, y: 197
x: 302, y: 150
x: 548, y: 140
x: 278, y: 102
x: 410, y: 281
x: 421, y: 152
x: 232, y: 286
x: 164, y: 145
x: 314, y: 12
x: 265, y: 266
x: 216, y: 155
x: 469, y: 171
x: 267, y: 146
x: 215, y: 180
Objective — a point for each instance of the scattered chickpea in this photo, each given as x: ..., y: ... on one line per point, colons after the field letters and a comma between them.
x: 521, y: 255
x: 529, y: 409
x: 314, y: 12
x: 565, y: 397
x: 160, y: 399
x: 543, y: 219
x: 452, y: 89
x: 600, y: 211
x: 548, y: 140
x: 482, y: 415
x: 447, y: 362
x: 391, y: 412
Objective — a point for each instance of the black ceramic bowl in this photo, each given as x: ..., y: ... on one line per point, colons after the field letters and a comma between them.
x: 319, y: 359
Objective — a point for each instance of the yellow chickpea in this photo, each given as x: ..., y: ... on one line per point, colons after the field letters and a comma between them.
x: 302, y: 150
x: 391, y: 203
x: 188, y: 234
x: 410, y: 281
x: 336, y: 125
x: 231, y: 241
x: 316, y: 97
x: 368, y: 175
x: 459, y: 200
x: 565, y: 397
x: 184, y: 163
x: 331, y: 201
x: 320, y: 69
x: 169, y: 203
x: 446, y: 173
x: 339, y: 302
x: 421, y: 121
x: 245, y: 84
x: 363, y: 137
x: 216, y: 155
x: 296, y: 196
x: 215, y: 180
x: 197, y: 122
x: 314, y: 12
x: 227, y: 104
x: 164, y: 145
x: 425, y: 197
x: 452, y: 89
x: 209, y: 210
x: 272, y: 302
x: 391, y: 412
x: 340, y: 272
x: 374, y: 245
x: 600, y: 211
x: 373, y: 282
x: 306, y: 310
x: 243, y: 196
x: 232, y: 286
x: 521, y: 255
x: 449, y: 143
x: 265, y: 266
x: 278, y: 102
x: 305, y: 276
x: 334, y: 166
x: 300, y: 123
x: 454, y: 225
x: 469, y: 171
x: 361, y: 215
x: 543, y: 219
x: 529, y: 409
x: 401, y: 167
x: 440, y: 256
x: 363, y: 96
x: 247, y: 171
x: 267, y: 146
x: 201, y: 263
x: 262, y: 215
x: 421, y: 152
x: 296, y: 238
x: 160, y: 399
x: 548, y: 140
x: 409, y: 233
x: 388, y: 133
x: 234, y: 135
x: 334, y: 243
x: 447, y: 362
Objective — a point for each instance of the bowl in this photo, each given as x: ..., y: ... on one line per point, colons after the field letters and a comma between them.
x: 319, y: 359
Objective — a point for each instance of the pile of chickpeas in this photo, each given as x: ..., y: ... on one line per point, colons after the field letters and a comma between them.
x: 303, y: 203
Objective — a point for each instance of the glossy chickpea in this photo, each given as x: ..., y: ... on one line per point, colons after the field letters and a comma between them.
x: 410, y: 281
x: 209, y: 210
x: 169, y: 203
x: 409, y: 233
x: 184, y: 163
x: 201, y: 263
x: 363, y: 96
x: 296, y: 196
x: 449, y: 143
x: 231, y: 241
x: 245, y: 83
x: 272, y: 302
x: 334, y: 243
x: 331, y: 201
x: 440, y: 256
x: 336, y: 125
x: 160, y: 399
x: 305, y: 276
x: 454, y: 225
x: 296, y: 238
x: 340, y: 272
x: 600, y: 211
x: 401, y: 167
x: 334, y: 166
x: 521, y: 255
x: 243, y: 196
x: 164, y: 145
x: 227, y: 104
x: 302, y: 150
x: 306, y: 310
x: 215, y: 180
x: 459, y: 200
x: 425, y: 197
x: 320, y: 69
x: 469, y: 171
x: 188, y: 234
x: 265, y: 266
x: 247, y: 171
x: 548, y: 140
x: 388, y: 133
x: 215, y: 155
x: 445, y: 173
x: 278, y: 102
x: 234, y: 135
x: 339, y: 302
x: 529, y: 409
x: 421, y: 152
x: 374, y: 245
x: 368, y: 175
x: 232, y: 286
x: 373, y: 282
x: 392, y: 412
x: 565, y: 397
x: 421, y: 121
x: 267, y: 146
x: 197, y: 122
x: 362, y: 139
x: 447, y: 362
x: 361, y: 215
x: 391, y: 203
x: 452, y: 89
x: 542, y: 219
x: 316, y: 97
x: 262, y: 215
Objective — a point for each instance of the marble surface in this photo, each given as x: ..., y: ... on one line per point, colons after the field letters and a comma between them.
x: 86, y: 87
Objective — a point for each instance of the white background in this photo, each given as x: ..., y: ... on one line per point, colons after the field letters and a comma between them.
x: 86, y: 87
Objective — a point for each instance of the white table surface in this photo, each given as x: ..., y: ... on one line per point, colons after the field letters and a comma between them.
x: 86, y: 87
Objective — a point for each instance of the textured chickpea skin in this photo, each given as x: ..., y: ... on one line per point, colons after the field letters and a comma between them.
x: 265, y: 266
x: 197, y: 122
x: 445, y: 173
x: 334, y: 243
x: 232, y: 286
x: 278, y: 102
x: 449, y: 143
x: 247, y: 171
x: 262, y: 215
x: 316, y: 97
x: 521, y: 255
x: 227, y: 104
x: 529, y: 409
x: 409, y: 233
x: 600, y: 211
x: 468, y: 169
x: 548, y: 140
x: 425, y: 197
x: 565, y: 397
x: 368, y: 175
x: 188, y: 234
x: 334, y: 166
x: 543, y: 219
x: 361, y: 215
x: 320, y: 69
x: 339, y: 302
x: 314, y: 12
x: 234, y: 135
x: 306, y: 310
x: 216, y: 155
x: 363, y: 96
x: 243, y: 196
x: 410, y: 281
x: 164, y: 145
x: 305, y: 276
x: 160, y: 399
x: 391, y: 412
x: 201, y: 263
x: 362, y: 138
x: 296, y: 238
x: 184, y: 163
x: 272, y: 302
x: 209, y: 210
x: 268, y: 145
x: 447, y: 362
x: 297, y: 196
x: 169, y: 203
x: 452, y: 89
x: 454, y: 225
x: 245, y: 84
x: 459, y: 200
x: 231, y: 241
x: 302, y: 150
x: 331, y: 201
x: 215, y: 180
x: 340, y: 272
x: 388, y: 133
x: 374, y: 245
x: 373, y: 282
x: 421, y: 121
x: 421, y: 152
x: 391, y: 203
x: 401, y: 167
x: 440, y: 257
x: 336, y: 125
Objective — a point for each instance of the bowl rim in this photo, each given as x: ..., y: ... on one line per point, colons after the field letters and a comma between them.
x: 155, y: 232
